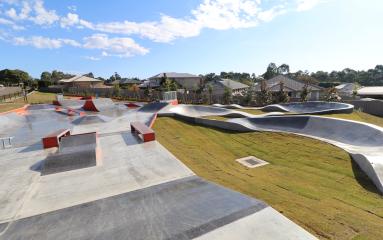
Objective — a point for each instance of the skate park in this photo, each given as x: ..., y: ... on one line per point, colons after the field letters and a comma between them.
x: 93, y: 173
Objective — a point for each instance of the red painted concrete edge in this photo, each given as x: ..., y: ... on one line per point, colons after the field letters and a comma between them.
x: 15, y: 110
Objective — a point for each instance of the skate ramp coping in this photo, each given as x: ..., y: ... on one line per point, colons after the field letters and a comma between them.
x: 75, y: 152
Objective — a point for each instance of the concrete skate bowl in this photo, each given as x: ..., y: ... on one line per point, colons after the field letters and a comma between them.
x: 75, y: 152
x: 318, y: 107
x: 364, y: 142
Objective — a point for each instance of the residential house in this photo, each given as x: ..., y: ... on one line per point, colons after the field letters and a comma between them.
x: 293, y: 87
x: 184, y: 80
x: 346, y: 89
x: 371, y: 92
x: 82, y: 82
x: 219, y: 86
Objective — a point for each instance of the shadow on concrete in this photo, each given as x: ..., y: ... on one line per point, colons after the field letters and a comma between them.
x: 130, y: 139
x: 363, y: 179
x: 38, y: 166
x: 31, y: 148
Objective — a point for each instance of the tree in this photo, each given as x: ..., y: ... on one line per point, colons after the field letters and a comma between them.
x: 89, y: 75
x: 210, y: 91
x: 227, y: 95
x: 167, y: 84
x: 173, y: 86
x: 116, y: 90
x: 46, y: 76
x: 264, y: 97
x: 283, y: 69
x: 305, y: 92
x: 271, y: 71
x: 332, y: 95
x: 16, y: 76
x: 282, y: 96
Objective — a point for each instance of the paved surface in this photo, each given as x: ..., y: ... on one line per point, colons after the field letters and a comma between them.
x: 316, y: 107
x: 363, y: 141
x: 150, y: 213
x: 137, y: 189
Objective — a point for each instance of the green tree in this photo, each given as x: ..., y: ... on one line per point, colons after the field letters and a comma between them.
x: 227, y: 95
x: 116, y: 90
x: 46, y: 76
x: 282, y: 96
x: 173, y: 86
x: 264, y: 97
x: 16, y: 76
x: 283, y: 69
x: 305, y: 92
x: 210, y: 91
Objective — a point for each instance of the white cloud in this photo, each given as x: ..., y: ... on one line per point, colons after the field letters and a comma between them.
x: 121, y: 47
x: 72, y: 8
x: 70, y: 20
x: 42, y: 15
x: 92, y: 58
x: 10, y: 23
x: 44, y: 42
x: 304, y: 5
x: 24, y: 12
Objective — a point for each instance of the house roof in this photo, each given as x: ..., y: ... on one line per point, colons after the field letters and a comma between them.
x: 233, y: 85
x: 79, y: 79
x: 130, y: 81
x: 378, y: 90
x: 346, y: 87
x: 174, y: 75
x: 293, y: 84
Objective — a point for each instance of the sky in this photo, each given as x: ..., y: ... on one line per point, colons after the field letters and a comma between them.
x: 140, y: 38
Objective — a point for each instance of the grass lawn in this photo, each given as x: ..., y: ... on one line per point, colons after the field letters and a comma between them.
x: 311, y: 182
x: 34, y: 98
x: 251, y: 111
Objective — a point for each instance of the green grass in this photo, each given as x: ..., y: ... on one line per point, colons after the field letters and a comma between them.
x: 34, y: 98
x: 252, y: 111
x: 314, y: 184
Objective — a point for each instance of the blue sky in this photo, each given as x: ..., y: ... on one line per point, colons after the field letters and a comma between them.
x: 144, y: 37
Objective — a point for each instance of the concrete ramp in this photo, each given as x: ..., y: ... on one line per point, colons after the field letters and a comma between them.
x: 75, y: 152
x: 98, y: 105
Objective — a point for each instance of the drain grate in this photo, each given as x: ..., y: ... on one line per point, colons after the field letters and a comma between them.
x: 251, y: 162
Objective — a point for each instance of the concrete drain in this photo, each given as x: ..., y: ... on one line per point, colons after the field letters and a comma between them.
x: 251, y: 162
